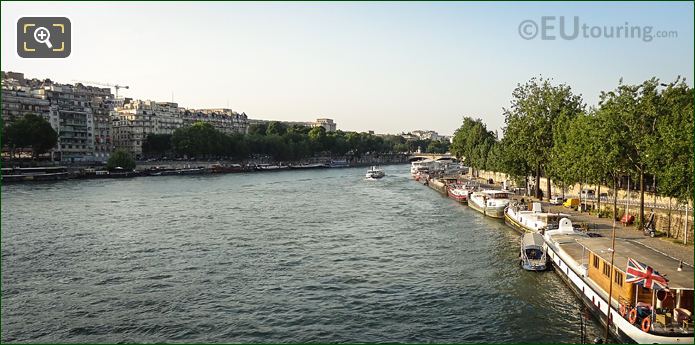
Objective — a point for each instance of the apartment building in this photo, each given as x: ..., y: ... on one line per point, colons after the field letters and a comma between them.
x: 223, y: 119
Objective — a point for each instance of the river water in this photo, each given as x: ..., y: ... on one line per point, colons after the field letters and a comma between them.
x: 291, y: 256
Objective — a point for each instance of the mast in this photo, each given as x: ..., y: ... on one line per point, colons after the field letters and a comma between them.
x: 610, y: 286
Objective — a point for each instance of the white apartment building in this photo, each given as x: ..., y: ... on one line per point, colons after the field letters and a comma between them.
x: 223, y: 119
x: 328, y: 124
x: 137, y: 118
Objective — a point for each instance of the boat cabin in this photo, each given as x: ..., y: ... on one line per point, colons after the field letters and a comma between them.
x: 659, y: 311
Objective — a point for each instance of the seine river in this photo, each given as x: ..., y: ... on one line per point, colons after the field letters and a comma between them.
x: 291, y: 256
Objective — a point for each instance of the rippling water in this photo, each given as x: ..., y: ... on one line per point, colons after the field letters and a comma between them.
x: 293, y: 256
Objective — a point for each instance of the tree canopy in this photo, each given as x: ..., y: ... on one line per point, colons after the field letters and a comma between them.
x: 31, y: 131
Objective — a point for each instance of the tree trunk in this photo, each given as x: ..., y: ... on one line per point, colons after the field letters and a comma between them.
x: 641, y: 198
x: 668, y: 231
x: 547, y: 184
x: 615, y: 198
x: 537, y: 186
x: 598, y: 198
x: 580, y: 197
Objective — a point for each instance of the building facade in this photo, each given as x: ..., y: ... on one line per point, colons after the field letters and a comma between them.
x: 135, y: 119
x: 224, y: 120
x: 328, y: 124
x: 79, y: 114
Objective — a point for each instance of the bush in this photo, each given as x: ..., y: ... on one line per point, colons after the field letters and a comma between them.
x: 121, y: 159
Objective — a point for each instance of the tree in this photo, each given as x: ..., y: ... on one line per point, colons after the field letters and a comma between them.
x: 632, y: 110
x: 317, y: 138
x: 438, y: 146
x: 120, y: 159
x: 32, y: 131
x: 276, y: 128
x: 535, y: 108
x: 670, y: 159
x: 258, y: 129
x: 472, y: 142
x: 156, y: 143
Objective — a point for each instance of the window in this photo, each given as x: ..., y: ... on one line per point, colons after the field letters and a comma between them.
x: 606, y: 269
x: 595, y: 261
x: 618, y: 278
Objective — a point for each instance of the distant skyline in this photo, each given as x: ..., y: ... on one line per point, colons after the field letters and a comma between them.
x: 387, y: 67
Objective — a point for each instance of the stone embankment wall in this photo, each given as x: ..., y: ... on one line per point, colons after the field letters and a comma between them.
x: 669, y: 219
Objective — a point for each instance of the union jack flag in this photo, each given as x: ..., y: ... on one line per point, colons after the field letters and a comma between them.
x: 641, y: 274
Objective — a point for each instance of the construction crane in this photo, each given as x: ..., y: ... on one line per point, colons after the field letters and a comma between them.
x: 103, y: 84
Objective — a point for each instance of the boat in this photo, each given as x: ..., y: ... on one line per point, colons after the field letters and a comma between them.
x: 34, y: 174
x: 269, y: 167
x: 535, y: 220
x: 458, y: 192
x: 532, y: 255
x: 226, y: 168
x: 490, y: 202
x: 375, y: 173
x: 309, y: 166
x: 638, y: 314
x: 422, y: 166
x: 339, y: 164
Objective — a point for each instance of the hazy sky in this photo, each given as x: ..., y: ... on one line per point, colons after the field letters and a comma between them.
x: 387, y: 67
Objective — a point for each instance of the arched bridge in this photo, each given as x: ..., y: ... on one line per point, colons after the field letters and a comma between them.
x: 433, y: 156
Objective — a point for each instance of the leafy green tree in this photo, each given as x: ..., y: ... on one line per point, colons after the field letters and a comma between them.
x: 258, y: 129
x: 670, y: 158
x: 31, y: 131
x: 276, y: 128
x: 535, y: 109
x: 472, y: 142
x: 156, y: 143
x: 633, y: 111
x: 120, y: 159
x: 438, y: 146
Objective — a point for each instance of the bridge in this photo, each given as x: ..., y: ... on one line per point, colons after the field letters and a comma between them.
x: 432, y: 156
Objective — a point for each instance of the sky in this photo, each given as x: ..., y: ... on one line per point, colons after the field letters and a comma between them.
x: 389, y: 67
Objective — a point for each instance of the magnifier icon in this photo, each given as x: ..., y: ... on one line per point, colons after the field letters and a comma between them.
x: 42, y: 35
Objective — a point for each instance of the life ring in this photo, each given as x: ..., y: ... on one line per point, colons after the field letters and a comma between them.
x: 633, y: 316
x: 646, y: 324
x: 623, y: 310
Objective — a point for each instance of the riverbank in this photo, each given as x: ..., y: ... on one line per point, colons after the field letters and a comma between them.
x: 188, y: 167
x: 604, y: 226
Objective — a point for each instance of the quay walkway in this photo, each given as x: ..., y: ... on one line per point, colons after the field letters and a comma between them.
x: 604, y: 226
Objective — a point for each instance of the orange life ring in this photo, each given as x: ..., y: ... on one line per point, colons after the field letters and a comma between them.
x: 633, y: 316
x: 623, y: 310
x: 646, y: 324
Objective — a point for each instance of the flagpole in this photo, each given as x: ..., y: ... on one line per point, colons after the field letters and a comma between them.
x: 610, y: 286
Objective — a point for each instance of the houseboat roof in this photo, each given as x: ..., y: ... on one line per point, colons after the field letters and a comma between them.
x: 624, y: 249
x: 495, y: 191
x: 532, y: 239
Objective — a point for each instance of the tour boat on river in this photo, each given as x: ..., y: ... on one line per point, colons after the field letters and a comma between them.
x: 652, y: 294
x: 489, y: 202
x: 535, y: 220
x: 423, y: 166
x: 375, y: 173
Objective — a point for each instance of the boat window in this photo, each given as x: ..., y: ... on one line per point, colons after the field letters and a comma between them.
x: 606, y: 269
x: 596, y: 261
x: 618, y: 278
x: 534, y: 254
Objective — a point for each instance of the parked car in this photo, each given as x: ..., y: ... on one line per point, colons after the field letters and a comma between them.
x: 556, y: 200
